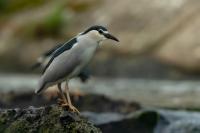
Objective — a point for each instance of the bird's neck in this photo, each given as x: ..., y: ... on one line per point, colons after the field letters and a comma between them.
x: 91, y: 39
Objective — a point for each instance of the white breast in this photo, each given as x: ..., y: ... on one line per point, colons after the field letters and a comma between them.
x: 85, y: 49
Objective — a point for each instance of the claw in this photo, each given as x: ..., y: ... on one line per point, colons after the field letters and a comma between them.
x: 60, y: 101
x: 73, y: 109
x: 69, y: 107
x: 66, y: 106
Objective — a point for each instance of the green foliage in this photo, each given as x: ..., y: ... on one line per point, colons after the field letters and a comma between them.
x: 3, y: 4
x: 49, y: 25
x: 9, y: 6
x: 53, y: 23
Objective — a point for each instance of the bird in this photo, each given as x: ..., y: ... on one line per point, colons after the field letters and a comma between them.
x: 65, y: 64
x: 44, y: 58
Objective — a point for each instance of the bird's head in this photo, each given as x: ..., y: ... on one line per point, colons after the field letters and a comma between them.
x: 98, y: 33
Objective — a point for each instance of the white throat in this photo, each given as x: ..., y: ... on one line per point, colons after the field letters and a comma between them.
x: 93, y: 35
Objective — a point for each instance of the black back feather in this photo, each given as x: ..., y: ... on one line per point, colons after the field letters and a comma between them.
x: 48, y: 53
x: 66, y: 46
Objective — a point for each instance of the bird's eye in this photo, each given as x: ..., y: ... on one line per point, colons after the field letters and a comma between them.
x: 100, y: 31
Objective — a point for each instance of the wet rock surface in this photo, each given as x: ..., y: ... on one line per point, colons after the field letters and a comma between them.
x: 138, y: 122
x: 148, y: 121
x: 105, y: 114
x: 48, y: 119
x: 53, y: 119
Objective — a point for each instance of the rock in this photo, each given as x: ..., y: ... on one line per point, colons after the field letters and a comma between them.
x: 68, y: 117
x: 147, y: 121
x: 49, y: 119
x: 54, y: 119
x: 138, y: 122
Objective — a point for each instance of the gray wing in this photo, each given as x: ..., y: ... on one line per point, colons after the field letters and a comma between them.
x: 68, y: 45
x: 59, y: 69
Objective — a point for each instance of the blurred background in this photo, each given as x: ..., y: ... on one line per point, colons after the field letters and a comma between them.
x: 155, y: 66
x: 157, y: 63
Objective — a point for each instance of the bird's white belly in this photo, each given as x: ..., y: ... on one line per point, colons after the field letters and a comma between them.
x: 85, y: 58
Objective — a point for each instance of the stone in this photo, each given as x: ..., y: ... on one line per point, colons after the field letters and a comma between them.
x: 38, y: 120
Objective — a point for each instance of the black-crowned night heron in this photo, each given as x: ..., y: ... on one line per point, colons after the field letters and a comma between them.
x: 45, y: 57
x: 66, y: 63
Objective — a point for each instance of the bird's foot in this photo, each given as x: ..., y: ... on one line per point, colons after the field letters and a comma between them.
x: 66, y: 106
x: 73, y: 109
x: 60, y: 101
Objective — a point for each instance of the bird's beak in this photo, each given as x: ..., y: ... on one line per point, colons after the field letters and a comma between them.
x: 109, y: 36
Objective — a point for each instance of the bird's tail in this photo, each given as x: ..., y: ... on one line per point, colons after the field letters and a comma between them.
x: 39, y: 63
x: 36, y: 65
x: 41, y: 87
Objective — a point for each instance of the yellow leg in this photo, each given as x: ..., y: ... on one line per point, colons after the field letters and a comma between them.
x: 63, y: 101
x: 71, y: 107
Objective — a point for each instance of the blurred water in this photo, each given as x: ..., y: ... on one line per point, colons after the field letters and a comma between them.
x: 17, y: 82
x: 163, y: 93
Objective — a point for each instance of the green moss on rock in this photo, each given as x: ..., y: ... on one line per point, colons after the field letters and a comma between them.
x: 18, y: 126
x: 44, y: 120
